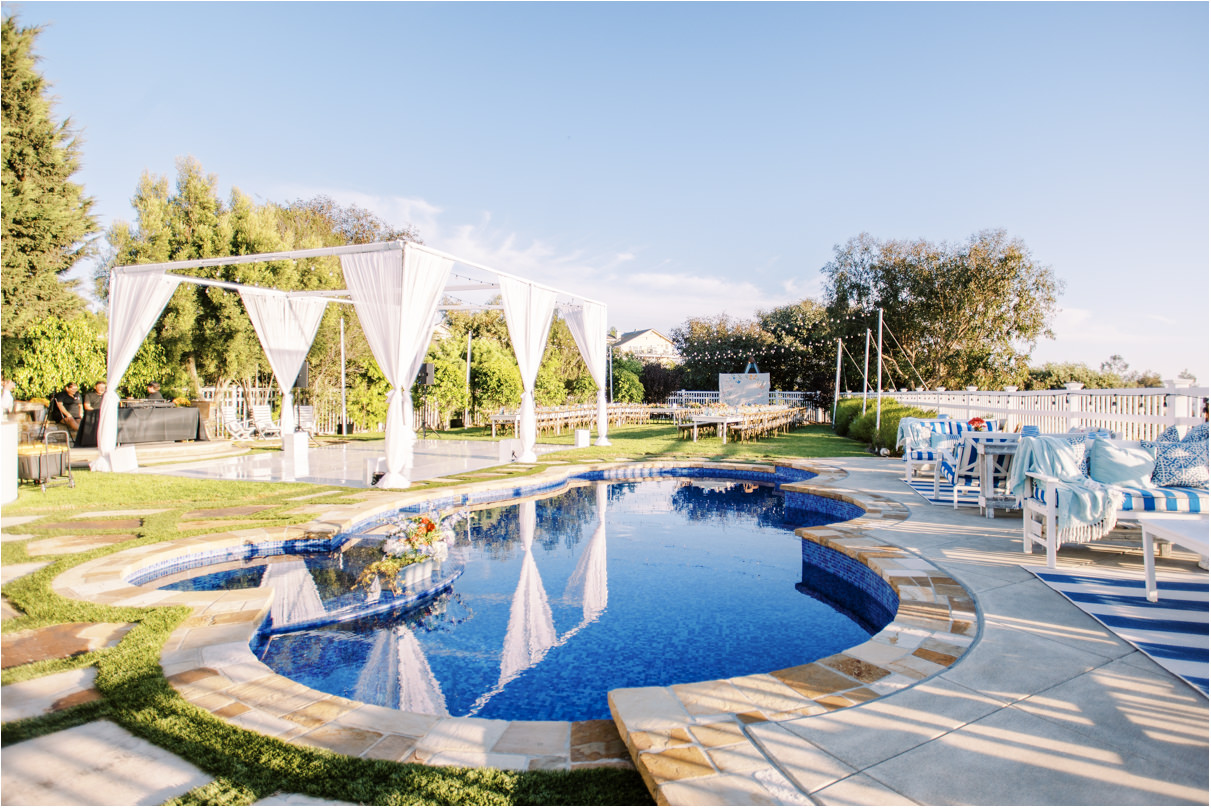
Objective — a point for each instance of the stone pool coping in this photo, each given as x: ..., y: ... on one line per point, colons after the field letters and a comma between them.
x: 705, y: 732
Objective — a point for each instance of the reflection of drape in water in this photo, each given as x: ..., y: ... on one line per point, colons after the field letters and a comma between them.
x: 419, y: 691
x: 531, y: 631
x: 397, y: 674
x: 295, y: 597
x: 589, y: 579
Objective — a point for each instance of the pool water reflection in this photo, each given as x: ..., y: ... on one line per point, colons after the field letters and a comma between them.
x: 552, y: 603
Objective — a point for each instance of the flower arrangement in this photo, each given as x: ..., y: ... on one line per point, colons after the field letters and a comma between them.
x: 978, y: 424
x: 411, y: 540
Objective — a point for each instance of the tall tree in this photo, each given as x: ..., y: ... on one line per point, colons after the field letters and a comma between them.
x: 45, y: 219
x: 958, y: 314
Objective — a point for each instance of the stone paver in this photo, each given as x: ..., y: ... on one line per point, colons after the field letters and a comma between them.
x: 95, y: 764
x: 11, y: 572
x: 59, y: 641
x: 47, y: 694
x: 297, y: 799
x: 62, y: 545
x: 77, y: 525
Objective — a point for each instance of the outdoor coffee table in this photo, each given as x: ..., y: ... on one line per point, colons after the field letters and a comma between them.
x: 1185, y: 530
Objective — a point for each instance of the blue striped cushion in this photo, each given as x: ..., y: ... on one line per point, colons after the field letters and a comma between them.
x: 922, y: 454
x: 1175, y: 500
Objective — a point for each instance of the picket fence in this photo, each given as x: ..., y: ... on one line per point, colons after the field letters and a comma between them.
x: 1131, y: 413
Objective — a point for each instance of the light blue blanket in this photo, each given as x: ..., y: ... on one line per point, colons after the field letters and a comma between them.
x: 1082, y: 501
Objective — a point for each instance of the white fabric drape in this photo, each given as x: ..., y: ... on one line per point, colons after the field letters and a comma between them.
x: 528, y: 310
x: 286, y: 327
x: 396, y: 297
x: 588, y: 326
x: 135, y: 302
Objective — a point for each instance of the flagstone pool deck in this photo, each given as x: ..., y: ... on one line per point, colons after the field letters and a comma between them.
x: 987, y: 688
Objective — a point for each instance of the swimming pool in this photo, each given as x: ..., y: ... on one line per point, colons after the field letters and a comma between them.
x: 551, y: 603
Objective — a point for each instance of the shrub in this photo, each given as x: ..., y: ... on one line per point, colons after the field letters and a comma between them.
x: 890, y: 426
x: 847, y: 410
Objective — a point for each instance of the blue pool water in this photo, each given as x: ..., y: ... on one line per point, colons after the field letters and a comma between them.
x: 552, y: 604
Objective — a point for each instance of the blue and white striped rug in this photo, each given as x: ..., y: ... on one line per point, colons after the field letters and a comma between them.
x: 1172, y: 631
x: 945, y: 492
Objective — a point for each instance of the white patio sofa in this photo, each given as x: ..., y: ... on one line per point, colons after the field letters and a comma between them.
x: 1172, y: 461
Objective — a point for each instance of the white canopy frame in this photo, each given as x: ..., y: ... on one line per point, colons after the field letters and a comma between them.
x: 126, y: 323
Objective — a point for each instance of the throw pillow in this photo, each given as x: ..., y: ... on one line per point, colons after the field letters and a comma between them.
x: 1182, y: 464
x: 1080, y: 451
x: 1114, y: 463
x: 1196, y: 433
x: 1170, y: 435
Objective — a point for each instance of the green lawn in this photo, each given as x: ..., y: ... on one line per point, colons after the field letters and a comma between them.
x: 248, y: 766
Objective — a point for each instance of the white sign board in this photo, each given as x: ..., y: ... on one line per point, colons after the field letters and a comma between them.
x: 743, y: 388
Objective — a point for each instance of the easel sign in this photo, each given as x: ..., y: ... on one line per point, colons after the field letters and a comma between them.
x: 736, y: 389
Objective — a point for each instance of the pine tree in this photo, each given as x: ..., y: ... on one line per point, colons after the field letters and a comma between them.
x: 46, y: 217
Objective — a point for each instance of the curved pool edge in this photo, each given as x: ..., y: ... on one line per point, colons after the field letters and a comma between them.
x: 209, y: 661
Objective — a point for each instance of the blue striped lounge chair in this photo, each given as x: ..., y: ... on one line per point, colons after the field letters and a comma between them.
x: 961, y: 465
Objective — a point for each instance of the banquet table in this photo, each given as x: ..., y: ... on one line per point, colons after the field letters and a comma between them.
x: 147, y: 425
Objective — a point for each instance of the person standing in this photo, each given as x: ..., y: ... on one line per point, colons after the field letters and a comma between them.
x: 153, y: 392
x: 92, y: 401
x: 66, y: 408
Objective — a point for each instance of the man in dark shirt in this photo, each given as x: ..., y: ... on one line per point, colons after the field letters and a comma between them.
x: 153, y: 392
x: 92, y: 401
x: 65, y: 406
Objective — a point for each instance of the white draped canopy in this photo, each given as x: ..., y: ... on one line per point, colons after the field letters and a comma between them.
x: 286, y: 327
x: 135, y: 303
x: 396, y: 296
x: 587, y: 322
x: 528, y: 311
x: 396, y: 289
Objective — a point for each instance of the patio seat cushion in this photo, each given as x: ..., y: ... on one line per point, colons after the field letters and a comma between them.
x: 923, y: 454
x: 1172, y: 499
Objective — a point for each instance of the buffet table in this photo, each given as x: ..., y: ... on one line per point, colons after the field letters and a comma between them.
x: 147, y: 425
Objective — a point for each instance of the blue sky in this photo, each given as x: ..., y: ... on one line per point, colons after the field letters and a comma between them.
x: 688, y: 159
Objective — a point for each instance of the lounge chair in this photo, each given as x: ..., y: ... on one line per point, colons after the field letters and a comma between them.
x: 237, y: 428
x: 305, y: 421
x: 263, y: 423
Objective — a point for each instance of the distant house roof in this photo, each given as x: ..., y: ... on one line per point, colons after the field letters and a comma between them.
x: 631, y: 335
x: 647, y: 343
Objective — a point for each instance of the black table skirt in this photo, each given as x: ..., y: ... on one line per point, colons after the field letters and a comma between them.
x: 147, y: 425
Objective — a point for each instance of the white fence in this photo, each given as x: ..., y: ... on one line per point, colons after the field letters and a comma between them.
x: 1132, y: 413
x: 327, y: 417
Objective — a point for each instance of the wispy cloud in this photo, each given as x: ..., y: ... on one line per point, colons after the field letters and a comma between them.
x: 640, y: 291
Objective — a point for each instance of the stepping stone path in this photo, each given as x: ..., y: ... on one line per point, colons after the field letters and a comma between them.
x: 62, y: 545
x: 11, y: 572
x: 47, y: 694
x: 95, y: 524
x: 221, y: 513
x: 58, y: 642
x: 95, y: 764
